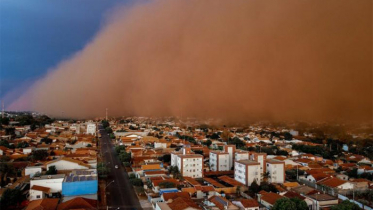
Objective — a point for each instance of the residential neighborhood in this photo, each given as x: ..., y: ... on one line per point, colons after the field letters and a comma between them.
x: 177, y: 164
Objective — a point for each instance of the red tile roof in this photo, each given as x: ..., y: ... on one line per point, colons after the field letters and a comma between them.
x: 78, y: 203
x: 249, y: 203
x: 43, y: 204
x: 183, y: 203
x: 174, y: 195
x: 270, y: 197
x: 40, y: 188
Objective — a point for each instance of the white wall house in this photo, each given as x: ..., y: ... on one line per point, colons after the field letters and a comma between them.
x: 54, y: 182
x: 28, y: 150
x: 32, y: 170
x: 246, y: 171
x: 160, y: 145
x: 276, y: 171
x: 67, y: 164
x: 38, y: 192
x: 219, y: 161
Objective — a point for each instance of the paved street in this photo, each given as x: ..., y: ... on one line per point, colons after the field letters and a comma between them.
x: 120, y: 193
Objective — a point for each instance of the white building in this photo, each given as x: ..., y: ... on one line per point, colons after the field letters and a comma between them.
x: 242, y: 155
x: 276, y: 171
x: 91, y: 128
x: 246, y: 171
x: 219, y: 161
x: 189, y: 165
x: 38, y: 192
x: 32, y: 170
x: 67, y: 164
x: 28, y: 150
x: 261, y: 159
x: 230, y: 149
x: 54, y: 182
x: 160, y: 145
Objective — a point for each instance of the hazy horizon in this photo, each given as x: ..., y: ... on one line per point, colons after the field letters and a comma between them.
x: 288, y: 60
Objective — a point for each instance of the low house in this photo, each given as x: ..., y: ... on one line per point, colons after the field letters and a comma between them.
x: 247, y: 204
x: 365, y: 169
x: 268, y: 199
x: 83, y: 183
x: 333, y: 185
x: 39, y: 192
x: 67, y: 164
x: 44, y: 204
x: 180, y: 203
x: 315, y: 177
x: 173, y: 195
x: 78, y: 203
x: 32, y: 170
x: 321, y: 201
x: 28, y: 150
x: 3, y: 150
x: 54, y: 182
x: 221, y: 203
x: 164, y: 183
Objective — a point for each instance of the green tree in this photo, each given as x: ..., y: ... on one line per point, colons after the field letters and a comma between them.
x: 284, y: 204
x: 165, y: 158
x: 208, y: 143
x: 5, y: 169
x: 46, y: 140
x: 39, y: 154
x: 51, y: 170
x: 4, y: 143
x: 11, y: 197
x: 22, y: 145
x: 254, y: 187
x: 109, y: 130
x: 105, y: 123
x: 300, y: 204
x: 346, y: 205
x: 167, y: 185
x: 102, y: 170
x: 120, y: 148
x: 136, y: 182
x: 4, y: 121
x: 125, y: 156
x: 89, y: 145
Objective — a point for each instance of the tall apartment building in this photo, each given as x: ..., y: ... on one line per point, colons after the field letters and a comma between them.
x: 260, y: 158
x: 276, y: 171
x: 230, y: 149
x: 189, y: 164
x: 91, y: 128
x: 219, y: 161
x: 246, y: 171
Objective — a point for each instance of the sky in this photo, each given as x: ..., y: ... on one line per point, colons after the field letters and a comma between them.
x: 275, y: 60
x: 36, y: 35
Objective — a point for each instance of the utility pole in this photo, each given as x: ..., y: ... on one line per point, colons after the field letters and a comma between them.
x: 106, y: 114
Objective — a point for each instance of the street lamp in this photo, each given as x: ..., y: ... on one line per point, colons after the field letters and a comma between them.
x: 105, y: 191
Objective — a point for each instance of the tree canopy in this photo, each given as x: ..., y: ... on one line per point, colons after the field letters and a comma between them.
x: 284, y: 204
x: 346, y: 205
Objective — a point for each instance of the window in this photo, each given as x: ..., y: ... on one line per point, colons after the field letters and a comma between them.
x: 38, y: 196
